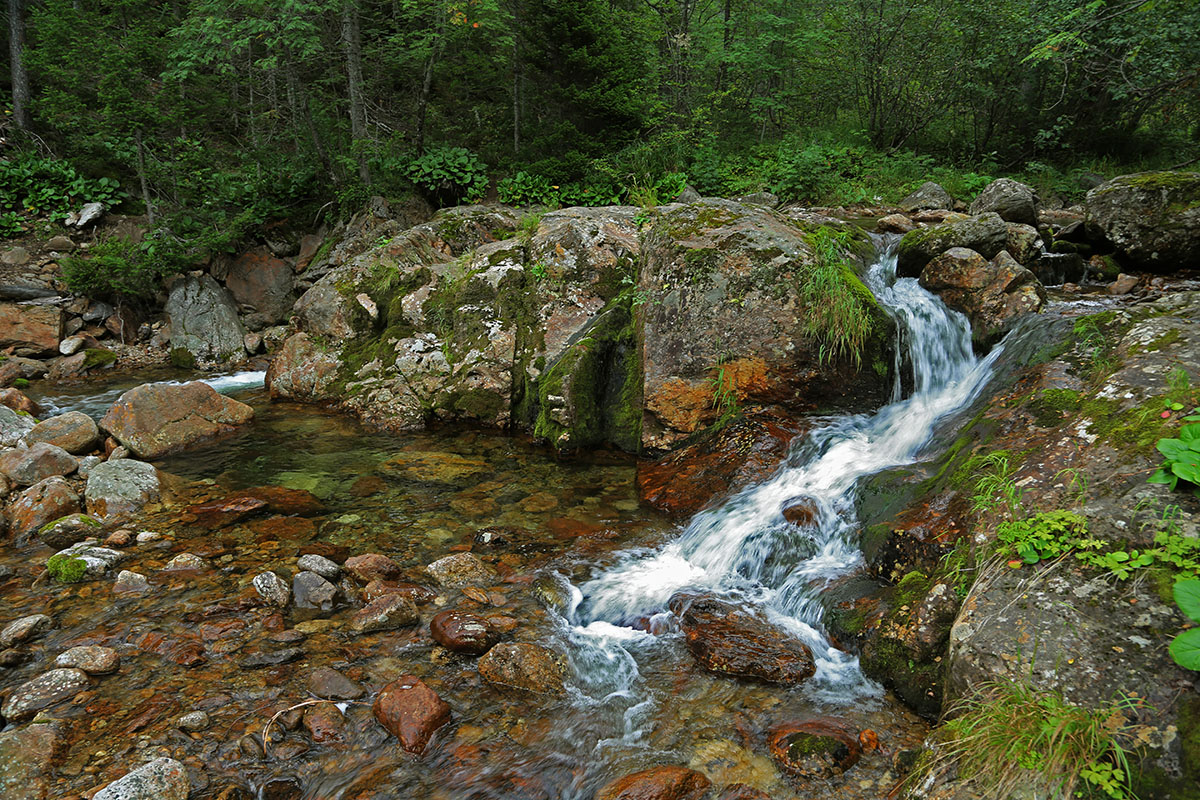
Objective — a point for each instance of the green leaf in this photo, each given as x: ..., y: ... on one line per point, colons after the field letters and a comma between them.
x: 1185, y: 649
x: 1187, y: 597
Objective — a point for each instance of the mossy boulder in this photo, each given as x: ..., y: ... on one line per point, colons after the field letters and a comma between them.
x: 1151, y: 219
x: 986, y: 234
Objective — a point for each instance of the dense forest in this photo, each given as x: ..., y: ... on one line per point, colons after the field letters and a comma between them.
x: 217, y: 117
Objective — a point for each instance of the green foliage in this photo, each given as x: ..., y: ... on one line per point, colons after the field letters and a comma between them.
x: 1182, y: 458
x: 66, y: 569
x: 994, y: 487
x: 1044, y: 536
x: 524, y: 189
x: 32, y: 186
x: 449, y: 175
x: 841, y: 310
x: 120, y: 268
x: 1008, y: 735
x: 724, y: 398
x: 1185, y: 648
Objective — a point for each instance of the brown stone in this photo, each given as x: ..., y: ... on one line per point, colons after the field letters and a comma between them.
x: 895, y: 223
x: 372, y: 566
x: 728, y: 639
x: 281, y: 500
x: 821, y: 747
x: 260, y: 280
x: 324, y: 722
x: 74, y: 432
x: 462, y: 632
x: 309, y: 245
x: 525, y: 666
x: 411, y: 711
x: 800, y: 511
x: 740, y: 791
x: 230, y: 510
x: 155, y: 419
x: 41, y: 503
x: 657, y: 783
x: 27, y: 467
x: 302, y: 370
x: 17, y: 401
x: 30, y: 329
x: 389, y: 612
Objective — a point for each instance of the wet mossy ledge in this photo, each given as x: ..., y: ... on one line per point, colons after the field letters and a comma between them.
x: 589, y: 327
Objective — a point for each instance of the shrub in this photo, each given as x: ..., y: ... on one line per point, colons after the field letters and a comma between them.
x: 35, y: 186
x: 449, y: 175
x: 1185, y: 648
x: 840, y: 307
x: 118, y: 268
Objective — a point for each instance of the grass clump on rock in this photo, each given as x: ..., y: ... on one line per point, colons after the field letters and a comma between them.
x: 66, y: 569
x: 841, y: 308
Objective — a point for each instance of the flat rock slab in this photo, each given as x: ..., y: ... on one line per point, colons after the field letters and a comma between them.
x: 161, y: 779
x: 27, y: 757
x: 726, y: 638
x: 31, y: 330
x: 155, y: 419
x: 42, y: 692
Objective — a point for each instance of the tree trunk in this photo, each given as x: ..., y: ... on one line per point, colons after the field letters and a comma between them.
x: 426, y: 88
x: 141, y: 168
x: 16, y: 54
x: 352, y: 42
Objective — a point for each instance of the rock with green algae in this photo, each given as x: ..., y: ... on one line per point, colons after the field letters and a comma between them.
x: 1151, y: 219
x: 986, y: 234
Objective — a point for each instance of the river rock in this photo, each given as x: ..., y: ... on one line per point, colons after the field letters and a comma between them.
x: 992, y: 294
x: 927, y: 196
x: 1124, y: 284
x: 118, y: 490
x: 1152, y: 219
x: 462, y: 632
x: 30, y: 329
x: 815, y: 748
x: 69, y: 530
x: 128, y: 582
x: 385, y: 613
x: 36, y: 463
x: 986, y: 234
x: 42, y: 692
x: 895, y: 223
x: 28, y: 756
x: 329, y: 570
x: 272, y: 588
x: 310, y: 590
x: 18, y: 401
x: 411, y: 711
x: 204, y: 320
x: 657, y: 783
x: 40, y: 504
x: 728, y: 639
x: 73, y: 431
x: 525, y: 666
x: 92, y: 659
x: 302, y: 370
x: 97, y: 560
x: 461, y: 569
x: 324, y: 722
x: 226, y: 511
x: 1012, y: 200
x: 193, y: 721
x: 333, y: 685
x: 155, y: 419
x: 161, y: 779
x: 14, y: 426
x: 24, y: 629
x: 186, y: 562
x: 263, y: 282
x: 372, y: 566
x: 1024, y: 244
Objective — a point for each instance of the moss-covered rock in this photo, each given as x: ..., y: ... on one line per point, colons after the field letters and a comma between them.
x: 986, y: 234
x: 1151, y: 219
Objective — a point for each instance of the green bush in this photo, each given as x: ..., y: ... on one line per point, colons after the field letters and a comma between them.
x: 34, y: 186
x: 1185, y: 648
x: 449, y: 175
x: 526, y: 189
x: 119, y: 268
x: 1182, y: 458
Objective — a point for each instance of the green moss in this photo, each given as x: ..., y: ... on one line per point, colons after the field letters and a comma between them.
x: 1166, y: 340
x: 183, y: 358
x: 21, y: 383
x: 98, y: 357
x: 705, y: 217
x: 1155, y: 180
x: 1050, y: 406
x: 81, y: 519
x: 66, y: 569
x: 322, y: 252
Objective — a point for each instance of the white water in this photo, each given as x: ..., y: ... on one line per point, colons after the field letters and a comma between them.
x: 746, y: 548
x: 95, y: 405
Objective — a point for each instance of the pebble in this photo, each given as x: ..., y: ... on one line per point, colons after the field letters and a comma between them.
x: 329, y: 683
x: 161, y: 779
x: 271, y: 659
x: 195, y: 721
x: 148, y: 536
x: 388, y: 612
x: 321, y: 565
x: 24, y: 629
x: 130, y: 583
x: 312, y: 591
x: 186, y: 561
x: 121, y: 538
x: 461, y: 569
x: 42, y: 692
x: 92, y: 659
x: 272, y: 588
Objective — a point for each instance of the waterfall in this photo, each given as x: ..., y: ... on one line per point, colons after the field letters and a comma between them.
x: 745, y: 547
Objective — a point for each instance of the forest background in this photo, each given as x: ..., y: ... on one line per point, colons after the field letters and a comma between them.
x: 218, y: 117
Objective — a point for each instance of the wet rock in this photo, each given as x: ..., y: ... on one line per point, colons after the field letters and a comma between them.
x: 24, y: 629
x: 130, y: 583
x: 928, y: 195
x: 333, y: 685
x: 39, y: 505
x: 324, y: 722
x: 28, y: 756
x: 731, y: 640
x: 462, y: 632
x: 311, y: 562
x: 193, y: 721
x: 186, y: 561
x: 302, y: 370
x: 118, y: 490
x: 372, y: 566
x: 282, y: 500
x: 386, y: 613
x: 14, y: 426
x: 411, y: 711
x: 525, y: 666
x: 42, y: 692
x: 282, y: 789
x: 657, y: 783
x: 92, y: 659
x: 155, y: 419
x: 800, y: 511
x: 74, y: 432
x: 992, y: 294
x: 16, y: 400
x: 161, y: 779
x: 895, y: 223
x: 1124, y: 284
x: 272, y: 658
x: 986, y: 234
x: 1012, y: 200
x: 272, y: 588
x: 27, y: 467
x: 310, y: 590
x: 745, y: 451
x: 228, y: 511
x: 30, y: 329
x: 263, y: 282
x: 11, y: 658
x: 815, y: 748
x: 97, y: 560
x: 121, y: 538
x: 204, y: 320
x: 461, y: 569
x: 740, y: 791
x: 1152, y: 219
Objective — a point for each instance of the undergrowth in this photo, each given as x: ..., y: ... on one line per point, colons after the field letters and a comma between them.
x: 840, y: 313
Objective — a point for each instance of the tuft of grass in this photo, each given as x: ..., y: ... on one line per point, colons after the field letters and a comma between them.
x: 840, y: 307
x: 1008, y: 736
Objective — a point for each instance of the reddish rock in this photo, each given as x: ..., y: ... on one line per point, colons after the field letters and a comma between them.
x: 413, y: 591
x: 155, y: 419
x: 74, y: 432
x: 290, y: 502
x: 821, y: 747
x: 745, y: 451
x: 731, y: 640
x: 41, y: 503
x: 895, y: 223
x: 260, y: 280
x: 657, y: 783
x: 287, y: 528
x: 525, y: 666
x: 302, y: 370
x: 740, y: 791
x: 800, y: 511
x: 462, y: 632
x: 309, y: 245
x: 17, y: 401
x: 28, y: 466
x: 387, y: 613
x: 324, y: 722
x: 221, y: 513
x: 411, y: 711
x: 991, y: 293
x: 371, y: 567
x: 186, y: 651
x: 30, y: 329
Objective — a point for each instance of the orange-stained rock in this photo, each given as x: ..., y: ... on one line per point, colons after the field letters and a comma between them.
x: 411, y: 711
x: 462, y: 632
x: 30, y: 330
x: 371, y: 567
x: 41, y: 503
x: 155, y: 419
x: 17, y: 401
x: 726, y: 638
x: 657, y: 783
x: 821, y: 747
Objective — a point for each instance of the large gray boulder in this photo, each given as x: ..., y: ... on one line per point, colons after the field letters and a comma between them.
x: 926, y: 197
x: 1012, y: 200
x: 118, y: 490
x: 986, y: 234
x: 1152, y: 219
x: 14, y: 426
x: 993, y: 294
x: 204, y: 320
x: 161, y: 779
